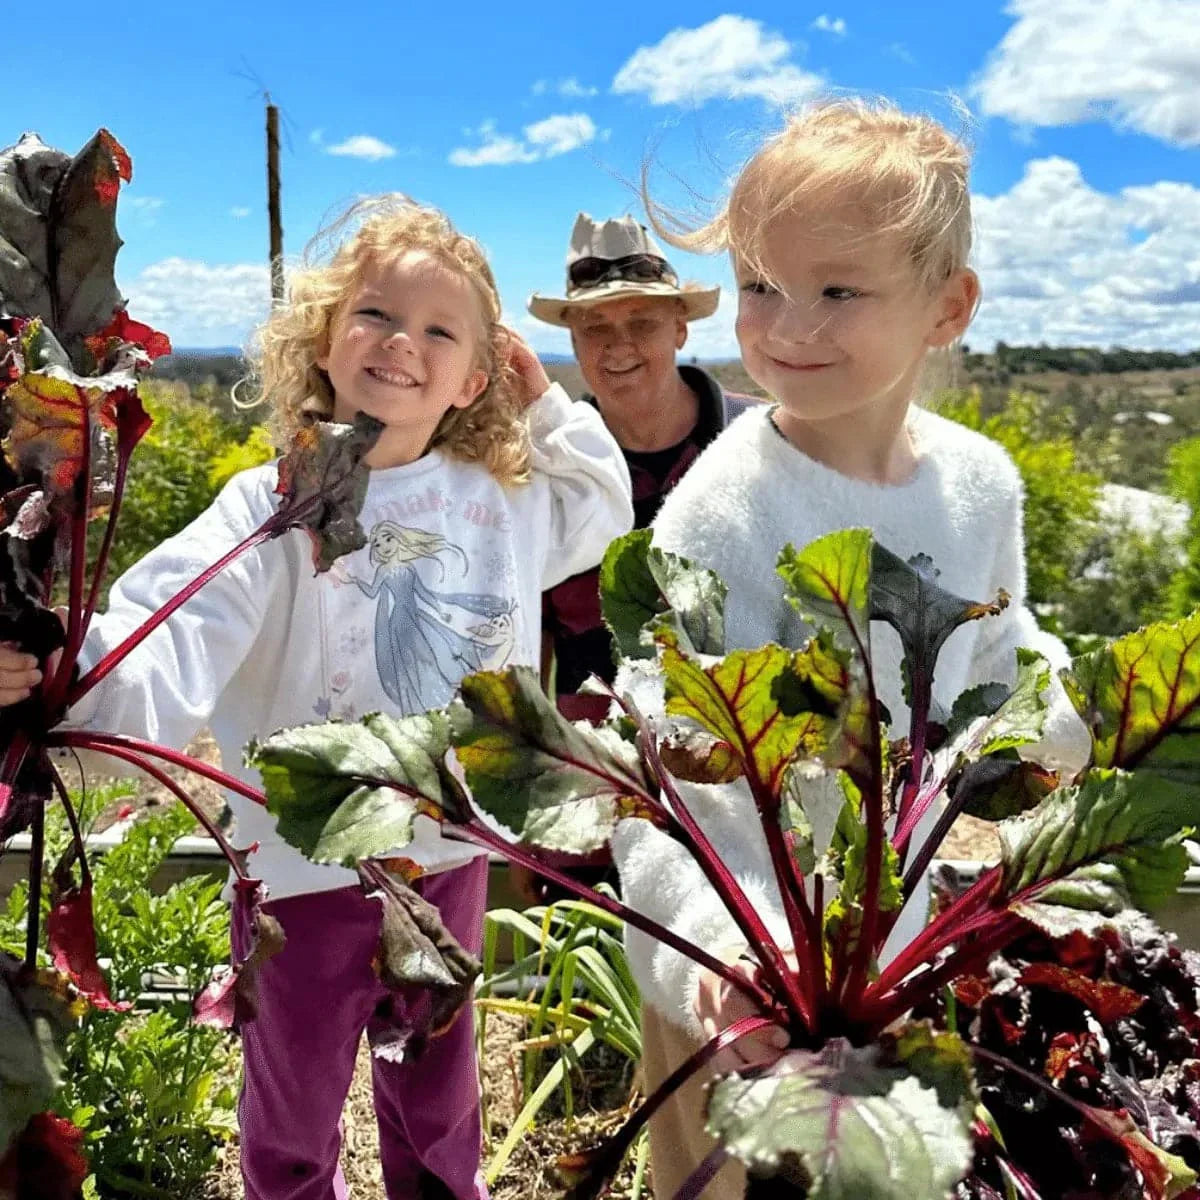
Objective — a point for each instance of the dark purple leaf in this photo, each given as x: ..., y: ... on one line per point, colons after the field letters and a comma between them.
x: 231, y: 999
x: 323, y: 481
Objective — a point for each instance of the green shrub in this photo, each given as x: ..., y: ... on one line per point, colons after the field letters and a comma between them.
x: 154, y: 1092
x: 1183, y: 474
x: 1060, y: 498
x: 189, y: 453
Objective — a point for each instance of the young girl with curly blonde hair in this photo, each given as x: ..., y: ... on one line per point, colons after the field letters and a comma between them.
x: 849, y: 233
x: 487, y: 486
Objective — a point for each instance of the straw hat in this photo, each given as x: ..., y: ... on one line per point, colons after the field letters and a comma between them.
x: 615, y: 259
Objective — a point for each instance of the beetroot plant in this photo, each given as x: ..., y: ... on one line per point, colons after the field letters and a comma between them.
x: 70, y: 417
x: 897, y: 1083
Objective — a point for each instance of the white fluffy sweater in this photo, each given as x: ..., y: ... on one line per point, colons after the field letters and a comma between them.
x: 749, y: 494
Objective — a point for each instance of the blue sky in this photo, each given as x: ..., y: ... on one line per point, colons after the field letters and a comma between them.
x: 1085, y: 118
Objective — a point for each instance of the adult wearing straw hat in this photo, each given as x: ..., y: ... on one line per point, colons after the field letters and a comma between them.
x: 628, y: 315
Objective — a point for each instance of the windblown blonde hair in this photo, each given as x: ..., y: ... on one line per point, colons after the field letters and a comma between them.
x: 905, y: 172
x: 492, y: 430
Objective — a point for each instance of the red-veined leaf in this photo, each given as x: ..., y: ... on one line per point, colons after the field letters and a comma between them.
x: 761, y: 703
x: 554, y: 784
x: 58, y: 218
x: 71, y: 935
x: 849, y: 1123
x: 1140, y: 697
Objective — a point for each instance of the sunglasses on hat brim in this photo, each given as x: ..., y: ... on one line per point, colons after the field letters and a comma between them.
x: 637, y: 268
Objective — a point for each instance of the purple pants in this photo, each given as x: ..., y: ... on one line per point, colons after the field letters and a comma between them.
x: 316, y: 998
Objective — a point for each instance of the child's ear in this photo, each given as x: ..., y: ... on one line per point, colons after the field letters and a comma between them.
x: 474, y: 387
x: 957, y: 301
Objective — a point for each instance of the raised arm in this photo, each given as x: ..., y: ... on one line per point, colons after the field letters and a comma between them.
x: 169, y: 685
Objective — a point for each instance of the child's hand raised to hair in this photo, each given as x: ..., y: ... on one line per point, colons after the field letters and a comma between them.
x: 531, y: 375
x: 718, y: 1004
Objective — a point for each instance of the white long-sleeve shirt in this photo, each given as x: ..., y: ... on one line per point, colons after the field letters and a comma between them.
x: 449, y: 583
x: 749, y: 494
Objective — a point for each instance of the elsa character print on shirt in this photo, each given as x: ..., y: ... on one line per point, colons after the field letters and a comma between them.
x: 423, y: 646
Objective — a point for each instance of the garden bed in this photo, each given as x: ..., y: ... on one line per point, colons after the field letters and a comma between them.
x: 528, y: 1174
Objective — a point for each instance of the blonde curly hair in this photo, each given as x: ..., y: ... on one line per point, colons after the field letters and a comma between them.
x: 905, y: 170
x: 283, y: 359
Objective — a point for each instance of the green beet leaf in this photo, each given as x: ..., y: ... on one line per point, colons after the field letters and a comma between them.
x: 939, y: 1059
x: 845, y: 1124
x: 347, y: 792
x: 1095, y: 848
x: 996, y: 717
x: 1140, y: 698
x: 34, y: 1019
x: 845, y: 913
x: 818, y: 815
x: 737, y: 700
x: 829, y: 585
x: 986, y: 725
x: 554, y: 784
x: 642, y: 587
x: 59, y: 244
x: 323, y: 481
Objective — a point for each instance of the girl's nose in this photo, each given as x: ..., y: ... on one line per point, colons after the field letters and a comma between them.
x: 798, y: 322
x: 398, y: 339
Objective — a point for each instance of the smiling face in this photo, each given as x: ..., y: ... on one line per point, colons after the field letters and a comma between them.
x: 626, y: 350
x: 843, y: 325
x: 404, y: 348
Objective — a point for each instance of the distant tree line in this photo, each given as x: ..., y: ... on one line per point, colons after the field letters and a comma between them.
x: 216, y: 370
x: 1077, y: 360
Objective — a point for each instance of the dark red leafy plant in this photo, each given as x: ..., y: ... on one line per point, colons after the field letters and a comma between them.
x: 916, y: 1078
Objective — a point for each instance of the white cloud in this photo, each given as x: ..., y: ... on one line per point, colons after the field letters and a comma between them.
x: 828, y: 24
x: 1132, y: 62
x: 901, y: 51
x: 547, y: 138
x: 560, y: 134
x: 362, y: 145
x: 497, y: 150
x: 731, y: 57
x: 564, y: 87
x: 572, y: 87
x: 1064, y: 263
x: 198, y: 303
x: 239, y: 212
x: 147, y: 204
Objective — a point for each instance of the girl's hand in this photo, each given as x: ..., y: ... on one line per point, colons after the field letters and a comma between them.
x: 19, y: 674
x: 718, y: 1004
x: 19, y: 670
x: 532, y: 379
